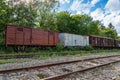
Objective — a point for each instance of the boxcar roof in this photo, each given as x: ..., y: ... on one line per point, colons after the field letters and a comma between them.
x: 101, y: 36
x: 28, y: 27
x: 72, y: 33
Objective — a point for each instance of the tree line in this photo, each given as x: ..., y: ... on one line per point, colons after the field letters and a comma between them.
x: 44, y: 15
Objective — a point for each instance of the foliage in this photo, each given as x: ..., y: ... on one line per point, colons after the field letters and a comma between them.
x: 59, y: 47
x: 63, y: 21
x: 108, y: 31
x: 70, y: 48
x: 3, y: 20
x: 89, y: 48
x: 46, y: 14
x: 77, y: 24
x: 118, y: 37
x: 22, y: 13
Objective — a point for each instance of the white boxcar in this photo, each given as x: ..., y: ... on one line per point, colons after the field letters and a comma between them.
x: 67, y: 39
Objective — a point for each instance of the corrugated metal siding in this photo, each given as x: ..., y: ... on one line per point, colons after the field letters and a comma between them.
x: 117, y: 43
x: 73, y: 40
x: 98, y: 41
x: 10, y: 35
x: 56, y: 38
x: 27, y: 36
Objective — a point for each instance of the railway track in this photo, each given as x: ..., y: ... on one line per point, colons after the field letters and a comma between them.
x: 62, y: 76
x: 80, y: 66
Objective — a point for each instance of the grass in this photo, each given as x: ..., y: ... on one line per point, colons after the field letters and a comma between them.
x: 43, y: 55
x: 47, y: 52
x: 4, y: 61
x: 76, y: 54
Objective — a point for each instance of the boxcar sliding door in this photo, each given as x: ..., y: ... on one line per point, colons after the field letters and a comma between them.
x: 51, y: 38
x: 27, y: 36
x: 19, y: 36
x: 23, y: 36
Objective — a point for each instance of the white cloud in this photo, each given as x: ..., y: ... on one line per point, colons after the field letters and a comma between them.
x: 64, y: 1
x: 80, y: 7
x: 113, y: 6
x: 76, y: 4
x: 97, y: 14
x: 94, y: 1
x: 112, y: 9
x: 111, y: 14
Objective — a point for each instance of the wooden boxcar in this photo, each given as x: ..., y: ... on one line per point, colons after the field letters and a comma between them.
x: 98, y: 41
x: 24, y: 36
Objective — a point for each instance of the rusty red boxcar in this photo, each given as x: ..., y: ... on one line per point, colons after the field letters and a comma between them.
x: 98, y: 41
x: 24, y: 36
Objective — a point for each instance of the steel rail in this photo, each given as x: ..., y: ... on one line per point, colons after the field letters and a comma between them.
x: 56, y: 77
x: 53, y: 64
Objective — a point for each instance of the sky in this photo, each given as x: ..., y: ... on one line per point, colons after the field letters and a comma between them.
x: 106, y: 11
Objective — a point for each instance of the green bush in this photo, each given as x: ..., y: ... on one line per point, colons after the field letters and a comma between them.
x: 88, y: 48
x: 59, y: 47
x: 71, y: 48
x: 4, y: 49
x: 49, y: 48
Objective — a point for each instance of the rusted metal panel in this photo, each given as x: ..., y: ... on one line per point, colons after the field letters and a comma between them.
x: 19, y: 39
x: 56, y: 38
x: 39, y: 37
x: 44, y: 37
x: 10, y: 35
x: 98, y: 41
x: 19, y: 36
x: 51, y: 38
x: 27, y: 36
x: 10, y: 39
x: 117, y: 43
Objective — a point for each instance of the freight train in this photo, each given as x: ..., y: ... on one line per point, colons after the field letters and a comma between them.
x: 21, y: 37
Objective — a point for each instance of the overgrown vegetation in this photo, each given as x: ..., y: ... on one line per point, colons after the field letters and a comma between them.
x: 43, y: 55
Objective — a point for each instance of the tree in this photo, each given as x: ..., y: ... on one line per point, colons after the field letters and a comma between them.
x: 21, y: 13
x: 3, y: 20
x: 93, y: 28
x: 63, y: 21
x: 110, y: 33
x: 111, y: 26
x: 84, y: 25
x: 46, y: 14
x: 76, y: 24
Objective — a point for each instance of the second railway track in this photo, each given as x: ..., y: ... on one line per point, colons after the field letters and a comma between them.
x: 66, y: 68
